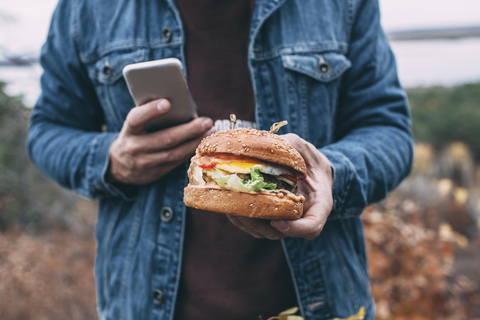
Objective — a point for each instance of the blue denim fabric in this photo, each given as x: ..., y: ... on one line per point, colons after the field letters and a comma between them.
x: 323, y: 65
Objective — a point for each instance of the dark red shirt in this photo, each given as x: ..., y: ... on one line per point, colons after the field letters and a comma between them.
x: 226, y: 273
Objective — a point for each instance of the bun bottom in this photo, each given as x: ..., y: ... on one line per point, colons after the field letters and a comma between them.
x: 261, y: 206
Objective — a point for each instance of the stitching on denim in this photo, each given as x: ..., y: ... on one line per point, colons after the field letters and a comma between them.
x: 75, y: 26
x: 302, y: 48
x: 255, y: 93
x: 351, y: 11
x: 294, y: 279
x: 126, y: 45
x: 363, y: 277
x: 105, y: 250
x: 260, y: 22
x: 326, y: 309
x: 333, y: 112
x: 342, y: 193
x: 133, y: 57
x: 304, y: 107
x: 180, y: 256
x: 288, y: 87
x: 128, y: 256
x: 345, y: 272
x: 108, y: 102
x: 333, y: 76
x: 176, y: 41
x: 314, y: 305
x: 90, y: 180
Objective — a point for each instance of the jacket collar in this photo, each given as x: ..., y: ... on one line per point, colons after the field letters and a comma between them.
x: 263, y: 9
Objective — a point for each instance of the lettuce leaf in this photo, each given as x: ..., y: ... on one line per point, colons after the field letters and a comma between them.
x: 234, y: 182
x: 257, y: 182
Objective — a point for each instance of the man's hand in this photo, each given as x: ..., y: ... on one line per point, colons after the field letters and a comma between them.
x: 138, y: 157
x: 317, y: 189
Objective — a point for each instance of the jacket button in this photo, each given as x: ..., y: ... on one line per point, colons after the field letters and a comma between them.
x: 324, y: 68
x: 157, y: 297
x: 166, y: 214
x: 166, y: 35
x: 107, y: 71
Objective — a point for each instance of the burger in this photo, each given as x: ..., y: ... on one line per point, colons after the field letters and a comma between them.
x: 246, y: 172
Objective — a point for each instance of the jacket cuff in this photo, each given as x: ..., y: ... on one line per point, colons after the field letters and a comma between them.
x: 343, y: 174
x: 98, y: 161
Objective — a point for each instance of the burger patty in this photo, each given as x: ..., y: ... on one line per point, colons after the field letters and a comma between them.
x: 267, y: 178
x: 280, y: 184
x: 272, y: 179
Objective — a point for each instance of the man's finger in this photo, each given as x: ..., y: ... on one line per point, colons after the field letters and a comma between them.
x: 177, y: 155
x: 308, y: 227
x: 263, y: 227
x: 238, y: 223
x: 258, y: 228
x: 174, y: 136
x: 139, y: 116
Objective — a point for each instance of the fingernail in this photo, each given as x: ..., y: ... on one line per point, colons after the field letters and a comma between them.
x: 211, y: 131
x: 162, y: 105
x: 280, y: 225
x: 207, y: 124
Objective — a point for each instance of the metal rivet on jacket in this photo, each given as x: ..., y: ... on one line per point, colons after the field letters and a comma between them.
x: 166, y: 34
x: 157, y: 297
x: 107, y: 70
x: 166, y: 214
x: 324, y: 67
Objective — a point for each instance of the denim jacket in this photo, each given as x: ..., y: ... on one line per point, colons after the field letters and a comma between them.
x: 323, y: 65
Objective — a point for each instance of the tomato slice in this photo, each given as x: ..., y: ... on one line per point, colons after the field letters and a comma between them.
x: 206, y: 166
x: 290, y: 178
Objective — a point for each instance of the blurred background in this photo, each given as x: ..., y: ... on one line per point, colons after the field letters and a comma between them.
x: 423, y: 240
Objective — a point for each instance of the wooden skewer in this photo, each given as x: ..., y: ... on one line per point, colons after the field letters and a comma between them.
x: 233, y: 120
x: 277, y: 125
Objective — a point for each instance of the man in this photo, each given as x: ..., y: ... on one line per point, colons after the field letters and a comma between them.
x: 325, y: 66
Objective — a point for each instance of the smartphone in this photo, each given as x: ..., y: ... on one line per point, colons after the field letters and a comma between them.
x: 163, y: 78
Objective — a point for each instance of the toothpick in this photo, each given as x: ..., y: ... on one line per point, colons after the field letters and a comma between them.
x: 277, y: 125
x: 233, y: 120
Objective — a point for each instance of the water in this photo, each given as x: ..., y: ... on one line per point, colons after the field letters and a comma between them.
x: 439, y: 62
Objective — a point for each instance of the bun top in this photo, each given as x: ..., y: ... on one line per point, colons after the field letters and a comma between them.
x: 259, y: 144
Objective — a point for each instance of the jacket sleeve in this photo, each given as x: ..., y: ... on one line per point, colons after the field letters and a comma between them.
x: 65, y: 139
x: 373, y: 151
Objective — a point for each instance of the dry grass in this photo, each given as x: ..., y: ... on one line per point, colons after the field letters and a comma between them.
x: 47, y: 277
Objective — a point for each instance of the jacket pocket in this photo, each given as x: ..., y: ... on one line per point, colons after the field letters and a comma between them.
x: 312, y: 85
x: 323, y: 67
x: 108, y: 69
x: 106, y: 75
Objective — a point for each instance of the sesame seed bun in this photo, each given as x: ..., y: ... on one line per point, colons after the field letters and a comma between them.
x: 258, y: 144
x: 265, y: 204
x: 268, y: 205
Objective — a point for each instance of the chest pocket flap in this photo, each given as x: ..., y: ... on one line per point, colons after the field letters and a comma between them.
x: 108, y: 69
x: 323, y: 67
